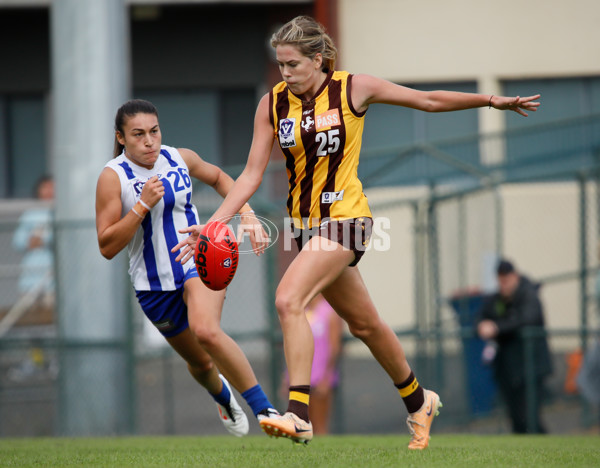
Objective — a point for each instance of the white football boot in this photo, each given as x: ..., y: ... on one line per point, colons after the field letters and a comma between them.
x: 267, y: 413
x: 232, y: 416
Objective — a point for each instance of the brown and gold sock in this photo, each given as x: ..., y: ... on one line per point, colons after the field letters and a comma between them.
x: 298, y: 404
x: 412, y: 393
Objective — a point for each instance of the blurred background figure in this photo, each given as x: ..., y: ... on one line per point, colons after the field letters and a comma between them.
x: 327, y: 329
x: 326, y: 326
x: 34, y: 239
x: 503, y: 315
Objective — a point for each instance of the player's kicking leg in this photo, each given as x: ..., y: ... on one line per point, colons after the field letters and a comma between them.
x: 297, y: 287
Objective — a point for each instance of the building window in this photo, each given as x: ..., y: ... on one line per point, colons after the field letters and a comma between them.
x: 391, y: 129
x: 216, y: 124
x: 563, y: 132
x: 23, y: 143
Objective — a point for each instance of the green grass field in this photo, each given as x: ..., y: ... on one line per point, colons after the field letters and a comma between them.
x: 331, y: 451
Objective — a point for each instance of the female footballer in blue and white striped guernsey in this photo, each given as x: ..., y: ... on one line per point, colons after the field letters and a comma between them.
x: 143, y: 198
x: 151, y: 265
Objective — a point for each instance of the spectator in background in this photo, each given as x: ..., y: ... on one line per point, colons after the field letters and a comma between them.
x: 34, y: 239
x: 503, y: 315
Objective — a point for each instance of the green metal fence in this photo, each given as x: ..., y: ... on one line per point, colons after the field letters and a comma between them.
x: 456, y: 214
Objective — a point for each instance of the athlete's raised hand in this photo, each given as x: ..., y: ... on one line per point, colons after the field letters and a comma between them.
x: 152, y: 191
x: 517, y: 104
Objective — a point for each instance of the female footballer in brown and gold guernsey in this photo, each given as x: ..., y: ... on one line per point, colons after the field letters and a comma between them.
x: 317, y: 115
x: 321, y: 141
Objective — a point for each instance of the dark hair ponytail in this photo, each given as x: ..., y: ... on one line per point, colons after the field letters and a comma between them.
x: 126, y: 111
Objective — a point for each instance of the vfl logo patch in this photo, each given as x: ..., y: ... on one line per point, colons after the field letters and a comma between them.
x: 138, y: 184
x: 330, y: 197
x: 331, y: 118
x: 287, y: 136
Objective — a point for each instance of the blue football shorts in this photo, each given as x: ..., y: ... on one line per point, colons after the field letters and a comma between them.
x: 166, y: 309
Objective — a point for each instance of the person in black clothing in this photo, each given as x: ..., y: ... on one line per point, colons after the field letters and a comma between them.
x: 515, y: 305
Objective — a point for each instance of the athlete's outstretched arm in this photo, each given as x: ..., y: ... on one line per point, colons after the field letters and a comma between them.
x: 114, y: 232
x: 367, y: 89
x: 208, y: 173
x: 245, y: 185
x: 222, y: 183
x: 251, y: 177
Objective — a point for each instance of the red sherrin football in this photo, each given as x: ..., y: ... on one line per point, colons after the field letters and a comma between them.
x: 216, y: 255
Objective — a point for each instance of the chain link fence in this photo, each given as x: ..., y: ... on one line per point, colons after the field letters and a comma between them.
x: 431, y: 257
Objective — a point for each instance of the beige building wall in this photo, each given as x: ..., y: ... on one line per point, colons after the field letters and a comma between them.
x: 440, y: 40
x: 542, y: 235
x: 540, y: 230
x: 487, y: 41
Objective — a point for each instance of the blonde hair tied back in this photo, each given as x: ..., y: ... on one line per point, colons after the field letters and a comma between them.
x: 310, y: 38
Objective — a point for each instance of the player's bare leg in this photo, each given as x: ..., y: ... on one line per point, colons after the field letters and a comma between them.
x: 349, y: 296
x: 204, y: 315
x: 200, y: 364
x: 316, y: 266
x: 204, y: 371
x: 298, y: 286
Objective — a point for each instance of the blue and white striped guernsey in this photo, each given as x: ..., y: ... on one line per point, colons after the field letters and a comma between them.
x: 152, y: 266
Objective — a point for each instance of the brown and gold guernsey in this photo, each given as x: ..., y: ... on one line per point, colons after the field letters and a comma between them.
x: 321, y: 141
